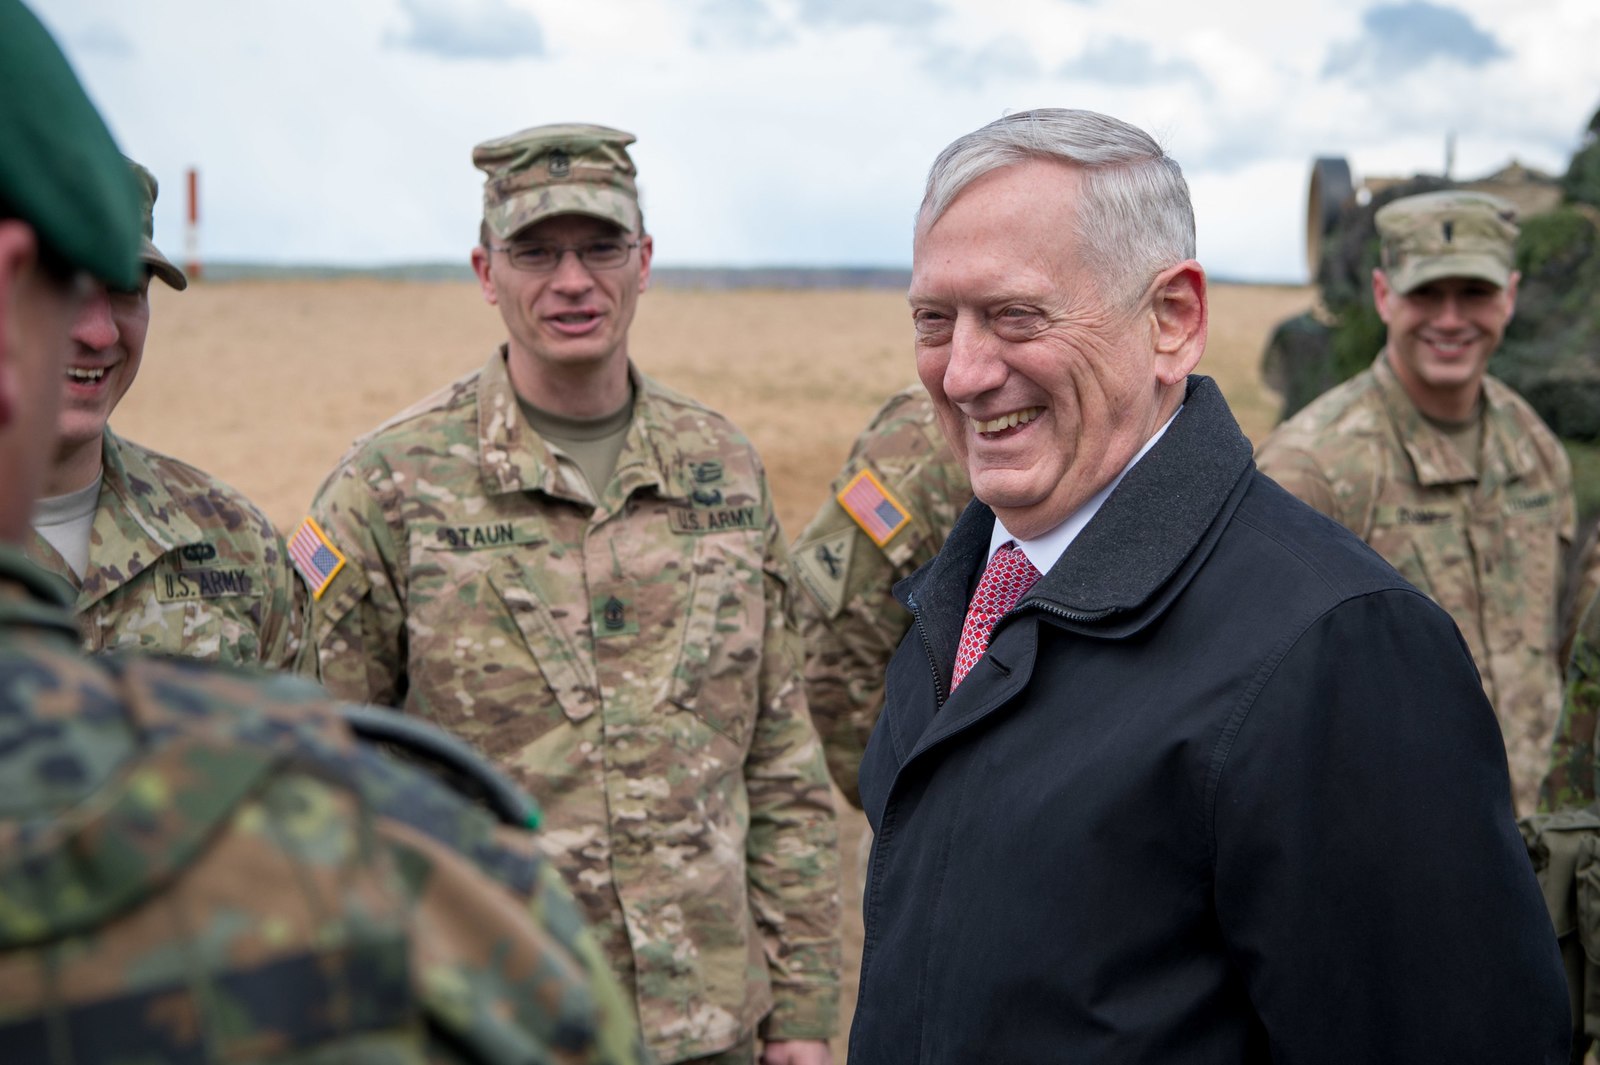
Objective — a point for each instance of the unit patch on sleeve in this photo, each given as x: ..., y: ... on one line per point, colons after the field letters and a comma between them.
x: 879, y: 514
x: 824, y: 565
x: 315, y: 557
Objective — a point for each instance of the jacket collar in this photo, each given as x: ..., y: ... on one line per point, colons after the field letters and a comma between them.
x: 144, y: 507
x: 514, y: 458
x: 1131, y: 560
x: 136, y: 521
x: 1507, y: 454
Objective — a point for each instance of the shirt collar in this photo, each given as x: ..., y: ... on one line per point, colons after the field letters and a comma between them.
x: 1045, y: 550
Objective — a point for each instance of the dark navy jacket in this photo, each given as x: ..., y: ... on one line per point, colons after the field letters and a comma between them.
x: 1224, y: 789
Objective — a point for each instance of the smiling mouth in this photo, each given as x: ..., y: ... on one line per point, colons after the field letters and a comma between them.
x: 1006, y: 421
x: 1451, y: 347
x: 83, y: 376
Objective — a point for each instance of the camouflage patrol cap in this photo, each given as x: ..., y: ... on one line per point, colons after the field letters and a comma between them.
x: 60, y: 170
x: 558, y: 169
x: 1454, y: 233
x: 151, y: 255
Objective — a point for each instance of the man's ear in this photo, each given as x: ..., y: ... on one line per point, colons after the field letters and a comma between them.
x: 1179, y: 317
x: 647, y: 251
x: 1381, y: 293
x: 480, y: 267
x: 19, y: 250
x: 1511, y: 294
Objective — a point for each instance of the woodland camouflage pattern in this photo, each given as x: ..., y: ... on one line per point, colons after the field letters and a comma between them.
x: 1490, y: 549
x: 202, y: 865
x: 849, y: 619
x: 1573, y: 762
x: 179, y: 562
x: 628, y: 660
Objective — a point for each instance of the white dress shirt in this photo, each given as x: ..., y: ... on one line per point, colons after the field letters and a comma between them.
x: 1045, y: 550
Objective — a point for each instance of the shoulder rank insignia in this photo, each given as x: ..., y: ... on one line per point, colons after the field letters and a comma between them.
x: 879, y: 514
x: 315, y: 557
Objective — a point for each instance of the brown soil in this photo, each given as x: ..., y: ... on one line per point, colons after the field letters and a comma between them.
x: 264, y: 384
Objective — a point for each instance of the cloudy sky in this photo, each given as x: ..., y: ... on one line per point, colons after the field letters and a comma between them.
x: 798, y: 132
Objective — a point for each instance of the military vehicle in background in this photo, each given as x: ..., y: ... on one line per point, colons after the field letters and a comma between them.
x: 1551, y: 351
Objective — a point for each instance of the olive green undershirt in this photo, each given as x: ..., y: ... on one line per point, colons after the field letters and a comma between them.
x: 593, y: 444
x: 1466, y: 437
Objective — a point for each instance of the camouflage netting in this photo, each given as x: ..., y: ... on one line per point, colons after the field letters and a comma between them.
x: 1551, y: 352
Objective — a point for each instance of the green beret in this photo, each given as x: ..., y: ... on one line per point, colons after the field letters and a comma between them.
x: 60, y: 171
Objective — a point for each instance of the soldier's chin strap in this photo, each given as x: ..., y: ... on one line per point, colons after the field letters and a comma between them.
x: 451, y: 760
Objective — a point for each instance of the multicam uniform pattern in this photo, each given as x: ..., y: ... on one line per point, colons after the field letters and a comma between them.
x: 180, y: 562
x: 1570, y: 781
x: 628, y: 660
x: 202, y: 865
x: 850, y: 621
x: 1488, y: 546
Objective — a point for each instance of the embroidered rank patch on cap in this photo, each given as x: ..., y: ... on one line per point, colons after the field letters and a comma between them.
x: 315, y: 557
x: 879, y: 514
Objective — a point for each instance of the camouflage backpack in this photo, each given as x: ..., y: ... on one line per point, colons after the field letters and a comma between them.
x: 1565, y: 849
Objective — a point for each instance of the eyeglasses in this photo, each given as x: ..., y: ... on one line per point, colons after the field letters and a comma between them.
x: 544, y: 258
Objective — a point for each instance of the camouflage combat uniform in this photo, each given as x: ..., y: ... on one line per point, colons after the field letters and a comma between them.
x: 180, y: 562
x: 1570, y: 781
x: 202, y: 865
x: 628, y: 660
x: 1488, y: 546
x: 850, y: 621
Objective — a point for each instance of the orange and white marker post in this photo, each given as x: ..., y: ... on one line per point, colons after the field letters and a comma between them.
x: 191, y: 234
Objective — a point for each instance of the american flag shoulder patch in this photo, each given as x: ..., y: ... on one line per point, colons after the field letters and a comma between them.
x: 878, y: 512
x: 315, y: 557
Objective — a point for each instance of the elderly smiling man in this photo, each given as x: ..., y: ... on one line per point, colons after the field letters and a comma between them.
x: 1158, y: 771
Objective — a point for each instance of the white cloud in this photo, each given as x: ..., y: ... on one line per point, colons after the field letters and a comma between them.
x: 799, y: 135
x: 876, y: 12
x: 1125, y: 61
x: 1398, y: 39
x: 1001, y: 59
x: 468, y: 29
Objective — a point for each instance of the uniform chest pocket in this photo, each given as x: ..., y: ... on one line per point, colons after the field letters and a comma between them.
x: 485, y: 643
x: 717, y: 676
x: 214, y: 613
x: 1427, y: 543
x: 1531, y: 552
x: 566, y: 667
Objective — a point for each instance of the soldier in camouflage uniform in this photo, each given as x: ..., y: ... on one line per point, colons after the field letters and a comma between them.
x: 892, y: 506
x: 580, y: 571
x: 1445, y: 471
x: 202, y: 865
x: 159, y: 555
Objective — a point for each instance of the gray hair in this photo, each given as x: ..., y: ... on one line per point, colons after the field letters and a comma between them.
x: 1134, y: 218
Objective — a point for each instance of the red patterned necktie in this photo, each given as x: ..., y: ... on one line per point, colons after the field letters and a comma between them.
x: 1005, y: 580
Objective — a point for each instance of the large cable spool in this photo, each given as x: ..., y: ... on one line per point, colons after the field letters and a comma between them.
x: 1331, y: 189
